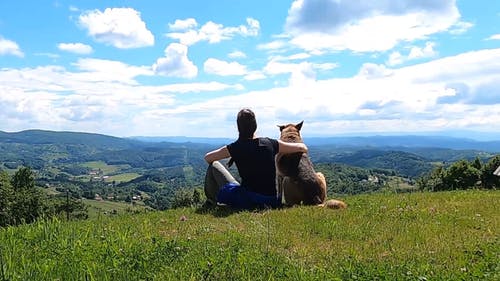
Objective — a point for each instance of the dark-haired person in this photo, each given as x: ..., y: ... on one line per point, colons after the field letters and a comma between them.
x: 255, y: 159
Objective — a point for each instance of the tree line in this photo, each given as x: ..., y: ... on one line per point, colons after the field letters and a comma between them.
x: 21, y: 201
x: 462, y: 174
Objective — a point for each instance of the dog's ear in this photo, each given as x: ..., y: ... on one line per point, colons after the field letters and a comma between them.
x: 281, y: 127
x: 299, y: 126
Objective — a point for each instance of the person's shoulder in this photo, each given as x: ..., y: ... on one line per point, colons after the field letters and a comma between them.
x: 267, y: 141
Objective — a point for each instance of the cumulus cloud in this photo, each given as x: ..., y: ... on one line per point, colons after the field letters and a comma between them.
x: 272, y: 46
x: 109, y: 70
x: 415, y: 52
x: 494, y: 37
x: 98, y: 96
x: 188, y: 34
x: 421, y: 97
x: 77, y: 48
x: 461, y: 27
x: 120, y: 27
x: 223, y: 68
x: 8, y: 47
x: 237, y: 55
x: 457, y: 92
x: 299, y: 70
x: 181, y: 25
x: 176, y: 62
x: 366, y: 26
x: 255, y: 75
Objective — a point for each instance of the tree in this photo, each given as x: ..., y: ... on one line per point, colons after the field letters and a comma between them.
x: 23, y: 179
x: 71, y: 207
x: 6, y: 193
x: 488, y: 179
x: 27, y: 203
x: 477, y: 164
x: 461, y: 175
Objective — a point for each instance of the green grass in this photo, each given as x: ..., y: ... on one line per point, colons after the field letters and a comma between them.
x: 100, y: 208
x: 125, y: 177
x: 105, y: 168
x: 412, y: 236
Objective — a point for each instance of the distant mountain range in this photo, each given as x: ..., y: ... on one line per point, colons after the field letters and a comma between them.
x: 403, y: 141
x: 393, y: 142
x: 407, y: 155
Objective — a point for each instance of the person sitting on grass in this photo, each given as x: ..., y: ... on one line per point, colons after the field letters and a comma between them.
x: 255, y: 159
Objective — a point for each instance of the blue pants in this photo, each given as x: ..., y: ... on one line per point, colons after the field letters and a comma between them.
x: 237, y: 196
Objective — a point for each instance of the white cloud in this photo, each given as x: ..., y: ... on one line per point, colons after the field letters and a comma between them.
x: 108, y: 70
x: 425, y: 52
x: 494, y: 37
x: 299, y: 56
x: 255, y: 75
x: 272, y: 46
x: 120, y: 27
x: 300, y: 73
x: 395, y: 58
x: 182, y: 25
x: 100, y: 96
x: 276, y: 66
x: 176, y: 62
x: 223, y: 68
x: 457, y: 92
x: 194, y: 87
x: 8, y: 47
x: 49, y: 55
x: 461, y: 27
x: 77, y: 48
x: 377, y: 99
x: 415, y: 52
x: 237, y: 55
x: 210, y: 31
x: 366, y: 26
x: 325, y: 66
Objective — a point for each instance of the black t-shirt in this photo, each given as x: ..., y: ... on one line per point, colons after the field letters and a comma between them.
x: 255, y: 161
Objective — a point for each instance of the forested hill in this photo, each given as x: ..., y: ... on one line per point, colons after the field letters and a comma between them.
x: 71, y: 138
x: 402, y: 143
x: 407, y: 155
x: 161, y: 172
x: 407, y: 142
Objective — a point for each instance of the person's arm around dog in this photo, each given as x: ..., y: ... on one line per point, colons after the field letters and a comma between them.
x: 216, y: 155
x: 284, y: 148
x: 292, y: 147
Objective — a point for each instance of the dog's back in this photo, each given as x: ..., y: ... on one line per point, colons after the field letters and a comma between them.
x: 299, y: 168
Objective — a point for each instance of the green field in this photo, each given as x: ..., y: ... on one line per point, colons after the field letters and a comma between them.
x: 125, y: 177
x: 410, y: 236
x: 99, y: 208
x: 105, y: 168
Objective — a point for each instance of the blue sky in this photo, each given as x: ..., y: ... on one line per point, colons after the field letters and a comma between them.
x: 172, y: 68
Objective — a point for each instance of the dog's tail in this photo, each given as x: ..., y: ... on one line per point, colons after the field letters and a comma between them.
x: 334, y: 204
x: 322, y: 186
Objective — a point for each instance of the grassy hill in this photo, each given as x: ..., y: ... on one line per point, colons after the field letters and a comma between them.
x: 417, y: 236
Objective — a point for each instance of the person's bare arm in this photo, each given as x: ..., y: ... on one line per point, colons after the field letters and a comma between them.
x: 291, y: 147
x: 217, y: 154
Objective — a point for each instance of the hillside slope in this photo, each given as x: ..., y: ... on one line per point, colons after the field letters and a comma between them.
x: 419, y: 236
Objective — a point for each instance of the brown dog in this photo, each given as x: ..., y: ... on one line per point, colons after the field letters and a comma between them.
x: 297, y: 180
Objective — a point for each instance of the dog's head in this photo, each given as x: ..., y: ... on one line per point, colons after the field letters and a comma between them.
x: 291, y: 132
